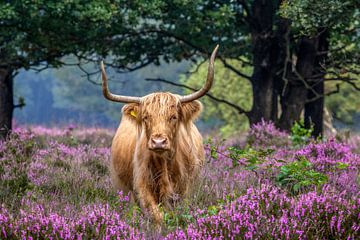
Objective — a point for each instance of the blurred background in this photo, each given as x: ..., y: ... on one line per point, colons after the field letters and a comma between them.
x: 65, y: 96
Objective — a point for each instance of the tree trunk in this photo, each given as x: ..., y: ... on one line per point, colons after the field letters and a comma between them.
x: 295, y: 96
x: 314, y: 110
x: 265, y: 58
x: 292, y: 104
x: 6, y: 102
x: 263, y: 97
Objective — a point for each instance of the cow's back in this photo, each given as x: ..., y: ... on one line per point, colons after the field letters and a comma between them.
x: 122, y: 152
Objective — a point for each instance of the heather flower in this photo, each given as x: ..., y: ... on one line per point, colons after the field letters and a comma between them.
x: 265, y: 134
x: 337, y: 160
x: 55, y: 184
x: 101, y: 222
x: 268, y: 212
x: 327, y: 155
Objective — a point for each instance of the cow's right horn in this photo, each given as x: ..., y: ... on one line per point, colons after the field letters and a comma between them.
x: 208, y: 84
x: 112, y: 97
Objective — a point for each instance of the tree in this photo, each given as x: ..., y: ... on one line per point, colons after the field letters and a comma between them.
x: 290, y: 45
x: 37, y: 34
x: 343, y: 105
x: 289, y: 64
x: 331, y: 32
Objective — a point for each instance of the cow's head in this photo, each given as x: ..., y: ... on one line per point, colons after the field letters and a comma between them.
x: 160, y: 114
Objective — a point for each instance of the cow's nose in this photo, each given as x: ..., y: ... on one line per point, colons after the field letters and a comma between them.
x: 158, y: 142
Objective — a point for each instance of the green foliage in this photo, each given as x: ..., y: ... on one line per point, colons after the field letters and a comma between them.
x: 32, y: 32
x: 178, y: 217
x: 311, y: 15
x: 134, y: 34
x: 235, y: 154
x: 341, y: 165
x: 298, y: 175
x: 340, y: 20
x: 256, y: 157
x: 345, y: 104
x: 253, y: 158
x: 213, y: 210
x: 181, y: 215
x: 229, y: 86
x: 214, y: 147
x: 299, y: 134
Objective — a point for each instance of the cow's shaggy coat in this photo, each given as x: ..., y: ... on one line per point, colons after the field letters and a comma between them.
x: 157, y: 176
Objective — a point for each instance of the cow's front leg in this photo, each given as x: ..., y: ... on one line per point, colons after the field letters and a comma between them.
x: 142, y: 185
x: 147, y: 201
x: 166, y: 192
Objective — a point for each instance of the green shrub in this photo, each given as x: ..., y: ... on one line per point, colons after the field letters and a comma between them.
x: 252, y: 157
x: 299, y: 175
x: 299, y: 134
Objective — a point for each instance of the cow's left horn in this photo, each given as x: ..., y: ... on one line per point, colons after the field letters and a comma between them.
x: 113, y: 97
x: 208, y: 84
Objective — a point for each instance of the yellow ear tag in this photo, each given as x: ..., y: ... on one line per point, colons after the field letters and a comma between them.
x: 133, y: 113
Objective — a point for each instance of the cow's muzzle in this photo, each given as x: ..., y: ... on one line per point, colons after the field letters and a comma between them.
x: 159, y: 143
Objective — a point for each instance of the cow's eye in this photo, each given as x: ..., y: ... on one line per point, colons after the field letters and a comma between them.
x: 173, y: 118
x: 145, y: 118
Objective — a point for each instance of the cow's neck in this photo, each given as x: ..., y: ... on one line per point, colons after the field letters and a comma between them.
x: 159, y: 161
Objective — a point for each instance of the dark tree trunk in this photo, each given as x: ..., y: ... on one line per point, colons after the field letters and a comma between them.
x: 265, y: 53
x: 6, y: 101
x: 314, y: 110
x: 292, y: 104
x: 263, y: 98
x: 293, y: 101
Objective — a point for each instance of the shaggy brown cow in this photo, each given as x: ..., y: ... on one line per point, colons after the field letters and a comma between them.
x: 157, y: 150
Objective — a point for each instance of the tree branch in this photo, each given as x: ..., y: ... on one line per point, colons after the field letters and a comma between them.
x: 245, y: 62
x: 239, y: 109
x: 345, y: 79
x: 232, y: 68
x: 337, y: 90
x: 357, y: 88
x: 21, y: 105
x: 197, y: 67
x: 88, y: 75
x: 286, y: 62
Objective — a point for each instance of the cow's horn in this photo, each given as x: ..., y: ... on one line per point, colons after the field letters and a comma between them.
x: 113, y: 97
x: 208, y: 84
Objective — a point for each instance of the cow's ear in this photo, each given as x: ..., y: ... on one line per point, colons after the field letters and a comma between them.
x: 190, y: 111
x: 131, y: 110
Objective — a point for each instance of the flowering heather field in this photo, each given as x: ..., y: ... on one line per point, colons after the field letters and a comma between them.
x: 54, y: 184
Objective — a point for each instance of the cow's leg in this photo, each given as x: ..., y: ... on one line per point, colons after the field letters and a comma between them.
x: 147, y: 200
x: 142, y: 185
x: 166, y: 190
x: 117, y: 182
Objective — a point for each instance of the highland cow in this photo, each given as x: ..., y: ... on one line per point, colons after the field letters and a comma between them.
x: 157, y: 150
